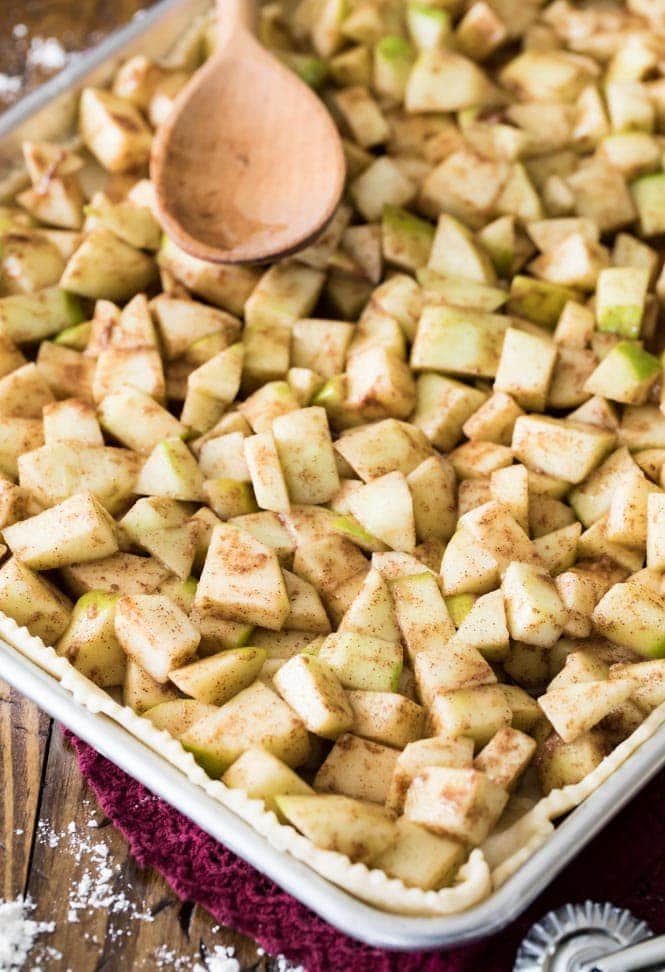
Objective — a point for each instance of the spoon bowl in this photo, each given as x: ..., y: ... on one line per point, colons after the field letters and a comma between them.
x: 249, y: 166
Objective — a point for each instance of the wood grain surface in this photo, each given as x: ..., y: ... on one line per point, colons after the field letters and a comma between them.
x: 43, y: 795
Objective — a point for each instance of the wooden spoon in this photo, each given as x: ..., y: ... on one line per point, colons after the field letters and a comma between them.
x: 249, y: 167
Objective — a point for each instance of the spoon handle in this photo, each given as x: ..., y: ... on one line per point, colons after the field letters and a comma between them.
x: 236, y: 14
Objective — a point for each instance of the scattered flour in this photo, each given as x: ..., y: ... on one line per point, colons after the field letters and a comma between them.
x: 46, y: 53
x: 283, y: 964
x: 19, y: 933
x: 221, y: 960
x: 10, y: 85
x: 94, y: 890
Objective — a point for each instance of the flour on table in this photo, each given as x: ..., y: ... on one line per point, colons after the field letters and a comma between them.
x: 46, y: 53
x: 19, y: 934
x: 10, y: 85
x: 96, y: 889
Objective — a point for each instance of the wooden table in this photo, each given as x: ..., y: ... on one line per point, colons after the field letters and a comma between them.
x: 40, y: 782
x: 40, y: 786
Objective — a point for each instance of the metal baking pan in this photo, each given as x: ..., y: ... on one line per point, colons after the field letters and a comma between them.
x: 50, y: 113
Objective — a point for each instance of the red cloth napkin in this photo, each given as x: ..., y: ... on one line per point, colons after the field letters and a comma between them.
x: 625, y: 864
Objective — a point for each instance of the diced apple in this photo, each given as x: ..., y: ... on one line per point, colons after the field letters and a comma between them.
x: 371, y: 611
x: 577, y: 708
x: 485, y: 628
x: 385, y: 508
x: 357, y: 768
x: 625, y: 375
x: 315, y: 694
x: 560, y: 448
x: 178, y: 715
x: 216, y: 679
x: 459, y: 803
x: 113, y: 130
x: 33, y: 602
x: 363, y: 662
x: 632, y: 615
x: 562, y: 764
x: 254, y: 717
x: 141, y: 692
x: 264, y: 777
x: 460, y: 341
x: 76, y: 530
x: 104, y: 266
x: 418, y: 857
x: 385, y: 717
x: 155, y: 633
x: 534, y: 610
x: 528, y: 386
x: 90, y: 642
x: 479, y: 712
x: 505, y: 757
x: 242, y: 579
x: 305, y: 452
x: 171, y: 470
x: 416, y: 756
x: 359, y: 830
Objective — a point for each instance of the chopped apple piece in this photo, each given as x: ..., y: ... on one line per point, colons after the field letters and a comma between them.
x: 458, y: 803
x: 632, y: 615
x: 113, y: 130
x: 505, y: 757
x: 33, y: 602
x: 264, y: 777
x: 177, y: 715
x: 560, y: 448
x: 315, y: 694
x: 534, y: 610
x: 649, y: 197
x: 357, y: 768
x: 416, y: 756
x: 155, y: 633
x: 90, y: 642
x: 254, y: 717
x: 479, y: 712
x: 576, y: 708
x: 655, y: 535
x: 385, y: 717
x: 466, y: 568
x: 562, y: 764
x: 433, y: 486
x: 485, y: 628
x: 141, y: 692
x: 171, y: 470
x: 384, y: 507
x: 359, y: 830
x: 306, y: 455
x: 371, y: 612
x: 418, y: 857
x: 528, y: 386
x: 620, y: 300
x: 417, y: 597
x: 105, y: 267
x: 76, y: 530
x: 648, y: 681
x: 119, y: 412
x: 242, y: 579
x: 626, y: 374
x: 216, y: 679
x: 443, y: 406
x: 465, y: 342
x: 363, y: 662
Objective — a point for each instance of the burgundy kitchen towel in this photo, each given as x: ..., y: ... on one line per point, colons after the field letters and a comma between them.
x: 624, y: 864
